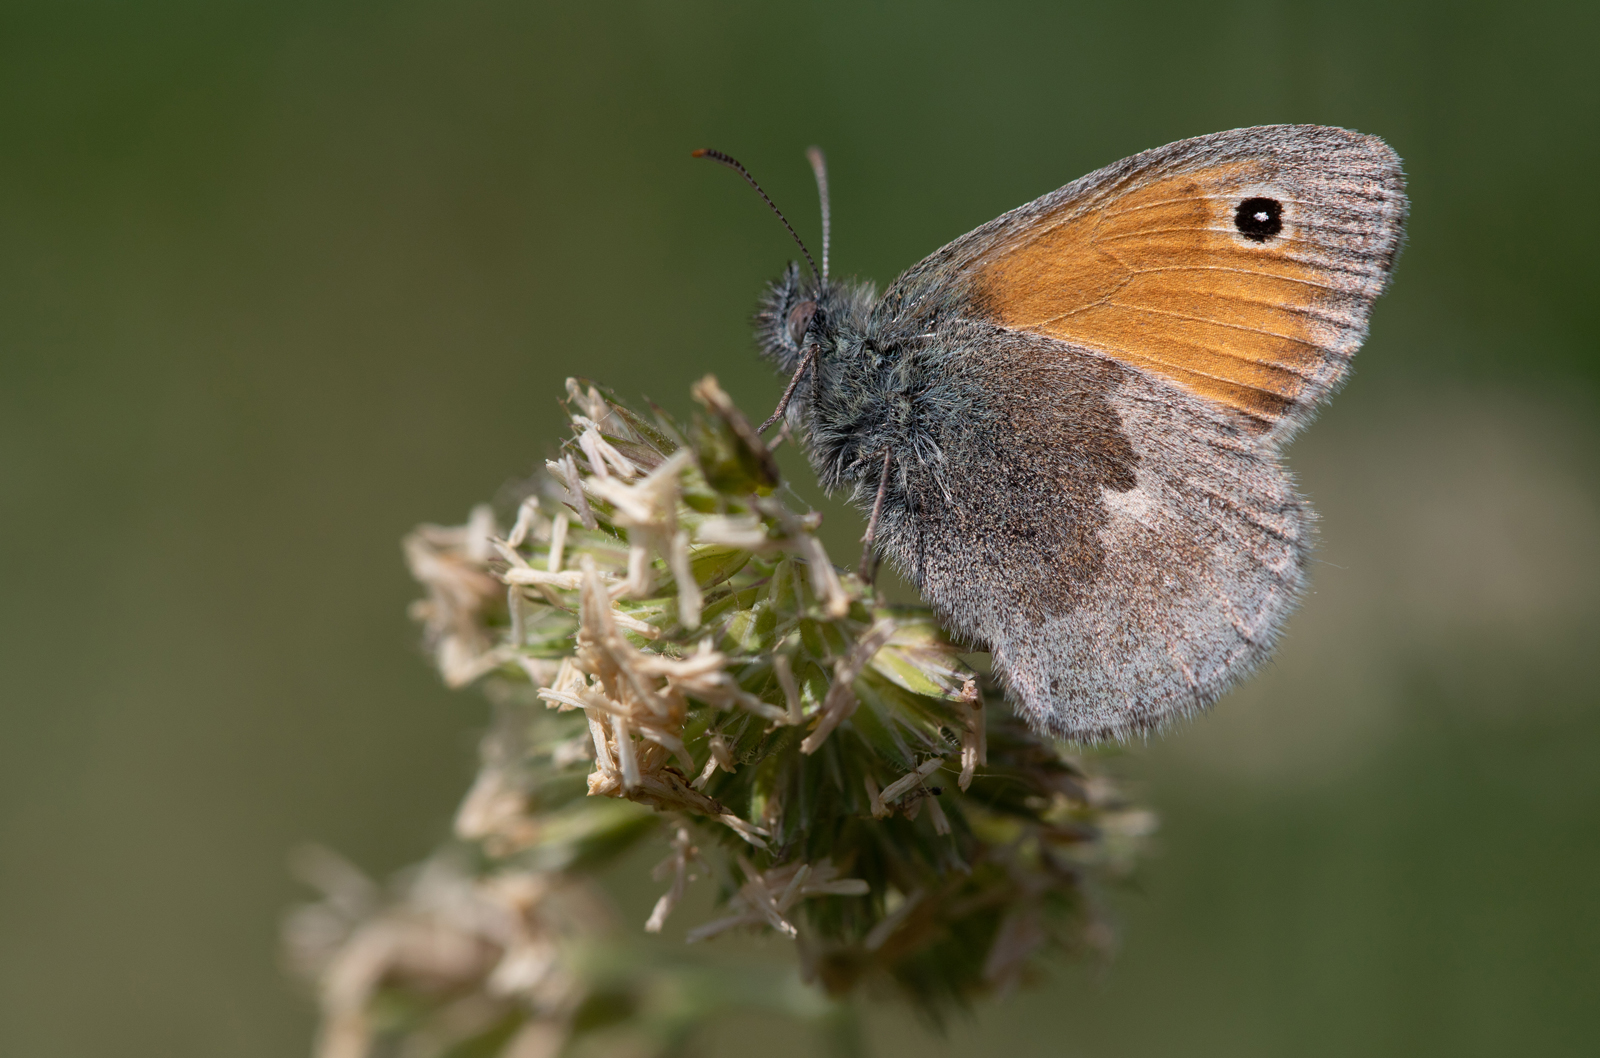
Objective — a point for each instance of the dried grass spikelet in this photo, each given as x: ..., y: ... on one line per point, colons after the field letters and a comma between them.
x: 484, y: 952
x: 666, y: 642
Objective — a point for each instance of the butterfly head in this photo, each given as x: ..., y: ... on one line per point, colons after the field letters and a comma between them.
x: 787, y: 315
x: 799, y: 312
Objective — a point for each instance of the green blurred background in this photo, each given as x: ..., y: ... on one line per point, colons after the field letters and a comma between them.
x: 279, y: 280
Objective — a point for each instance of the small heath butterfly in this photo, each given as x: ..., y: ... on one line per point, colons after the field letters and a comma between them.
x: 1067, y: 424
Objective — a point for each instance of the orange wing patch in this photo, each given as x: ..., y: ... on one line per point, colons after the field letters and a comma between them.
x: 1158, y: 277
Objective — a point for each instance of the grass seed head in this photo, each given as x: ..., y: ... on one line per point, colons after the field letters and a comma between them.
x: 671, y: 653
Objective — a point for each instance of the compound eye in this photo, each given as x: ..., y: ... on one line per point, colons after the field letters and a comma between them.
x: 800, y: 319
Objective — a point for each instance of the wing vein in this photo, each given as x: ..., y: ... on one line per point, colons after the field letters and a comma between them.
x: 1242, y: 271
x: 1217, y: 323
x: 1345, y: 250
x: 1133, y: 357
x: 1244, y: 514
x: 1295, y: 310
x: 1323, y: 204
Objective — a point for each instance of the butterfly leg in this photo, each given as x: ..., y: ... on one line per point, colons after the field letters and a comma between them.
x: 794, y: 380
x: 783, y: 435
x: 866, y: 567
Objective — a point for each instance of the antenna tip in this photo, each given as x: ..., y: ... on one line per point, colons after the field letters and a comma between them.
x: 699, y: 152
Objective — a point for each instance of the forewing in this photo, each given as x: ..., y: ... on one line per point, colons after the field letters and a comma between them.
x: 1150, y: 263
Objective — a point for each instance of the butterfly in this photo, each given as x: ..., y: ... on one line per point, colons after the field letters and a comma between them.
x: 1067, y: 424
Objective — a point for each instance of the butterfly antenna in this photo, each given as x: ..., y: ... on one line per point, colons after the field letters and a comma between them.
x: 733, y: 163
x: 819, y: 166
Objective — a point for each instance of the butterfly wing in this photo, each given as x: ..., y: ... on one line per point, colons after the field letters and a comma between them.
x: 1109, y: 514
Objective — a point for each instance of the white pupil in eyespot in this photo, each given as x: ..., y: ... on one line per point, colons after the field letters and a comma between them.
x: 1262, y: 216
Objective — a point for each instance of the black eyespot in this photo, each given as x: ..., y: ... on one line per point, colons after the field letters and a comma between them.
x: 1259, y: 219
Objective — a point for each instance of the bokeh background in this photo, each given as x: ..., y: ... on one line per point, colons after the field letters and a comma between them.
x: 280, y: 279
